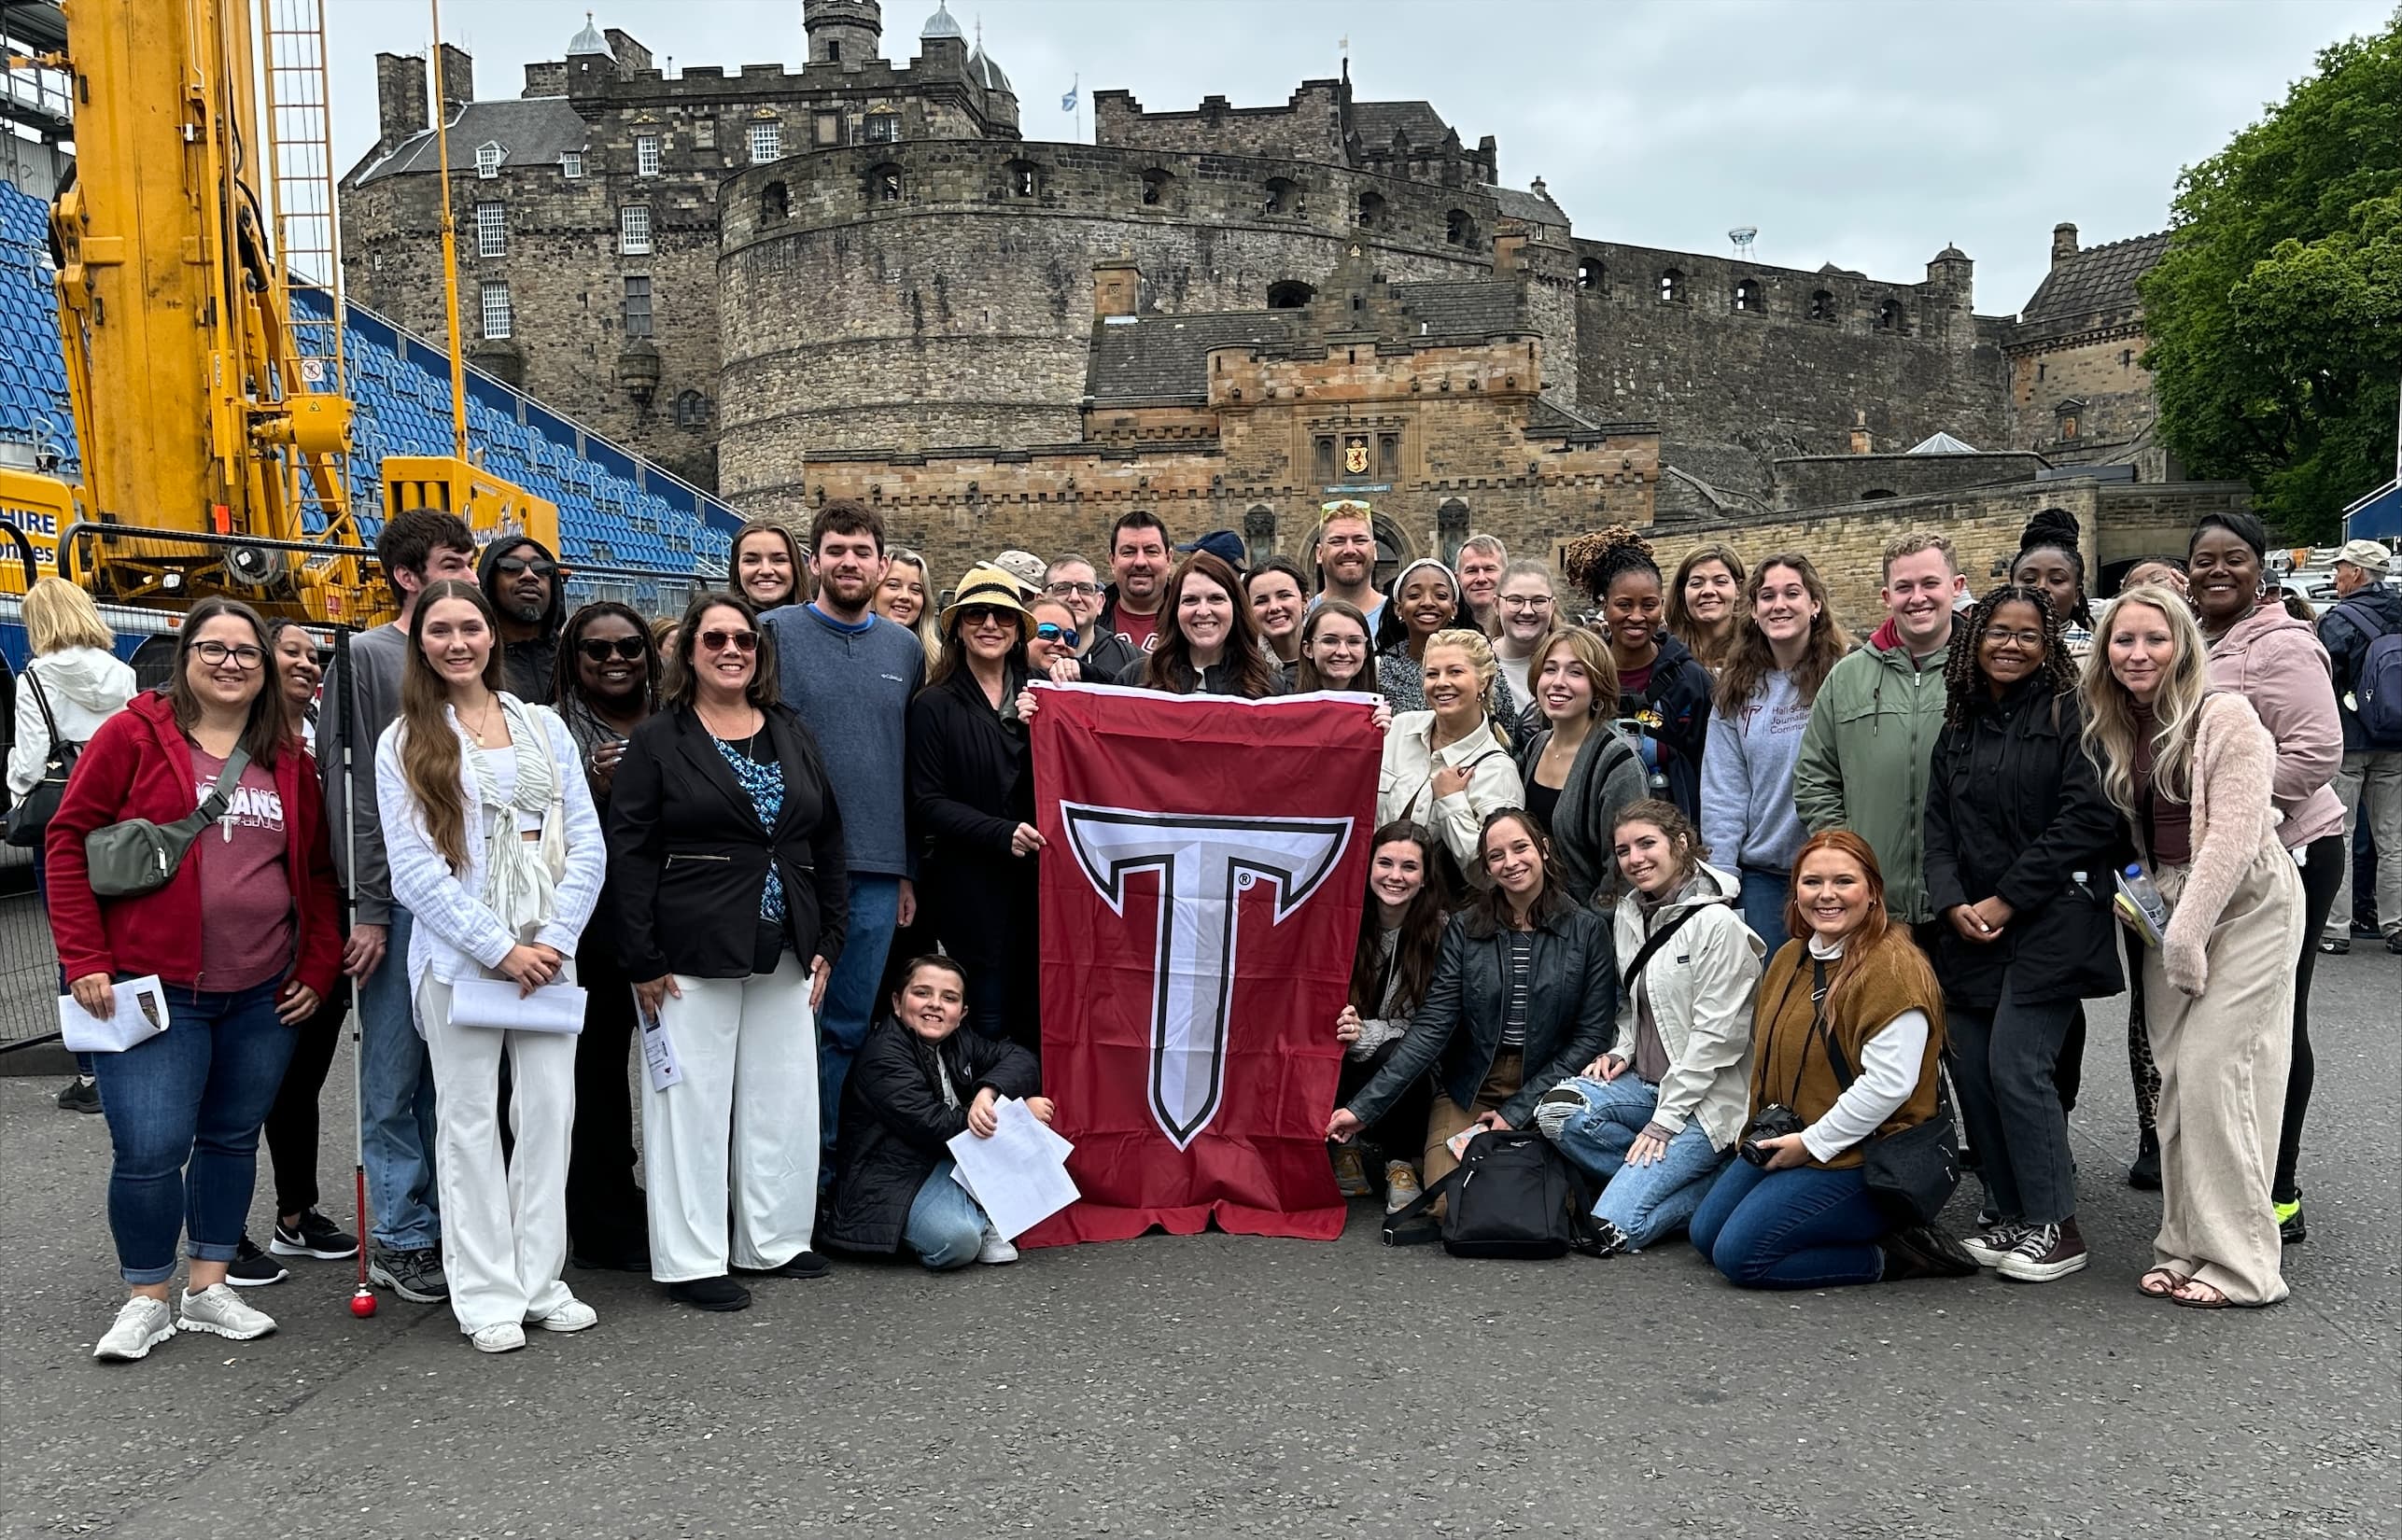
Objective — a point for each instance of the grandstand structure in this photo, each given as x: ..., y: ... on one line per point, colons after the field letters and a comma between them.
x: 622, y: 520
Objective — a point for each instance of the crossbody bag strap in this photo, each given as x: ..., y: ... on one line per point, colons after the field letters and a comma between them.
x: 212, y: 806
x: 42, y: 699
x: 1657, y: 939
x: 1413, y: 1226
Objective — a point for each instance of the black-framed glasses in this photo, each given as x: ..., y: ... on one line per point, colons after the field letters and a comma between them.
x: 1051, y: 631
x: 601, y: 648
x: 510, y: 567
x: 718, y: 641
x: 216, y: 654
x: 1998, y: 636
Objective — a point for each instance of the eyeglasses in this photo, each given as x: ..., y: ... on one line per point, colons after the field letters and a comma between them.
x: 2000, y: 637
x: 242, y: 655
x: 718, y: 641
x: 1073, y: 590
x: 1051, y: 631
x: 508, y: 567
x: 980, y: 615
x: 600, y: 649
x: 1519, y: 601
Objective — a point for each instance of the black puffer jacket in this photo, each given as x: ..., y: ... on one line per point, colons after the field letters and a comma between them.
x: 2015, y: 811
x: 1673, y: 710
x: 1571, y: 1012
x: 2368, y: 612
x: 895, y: 1125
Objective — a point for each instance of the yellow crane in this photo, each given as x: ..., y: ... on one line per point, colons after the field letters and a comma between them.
x: 209, y: 401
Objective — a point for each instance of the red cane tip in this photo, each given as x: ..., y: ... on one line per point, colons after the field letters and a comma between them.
x: 362, y: 1304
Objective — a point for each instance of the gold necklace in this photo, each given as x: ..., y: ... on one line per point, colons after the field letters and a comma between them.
x: 484, y: 723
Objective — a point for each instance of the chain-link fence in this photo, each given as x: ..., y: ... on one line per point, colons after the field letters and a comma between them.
x: 29, y: 962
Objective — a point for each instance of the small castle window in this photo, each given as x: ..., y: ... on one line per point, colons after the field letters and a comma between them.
x: 1458, y: 229
x: 638, y: 304
x: 571, y: 164
x: 1025, y: 179
x: 1890, y: 317
x: 487, y: 160
x: 833, y: 52
x: 1672, y: 287
x: 1822, y: 305
x: 2126, y: 358
x: 1588, y: 274
x: 691, y: 410
x: 633, y: 229
x: 1291, y: 294
x: 2040, y: 370
x: 1388, y: 456
x: 1750, y: 297
x: 646, y: 155
x: 491, y: 231
x: 884, y: 184
x: 775, y: 203
x: 1322, y: 459
x: 1371, y: 210
x: 883, y: 128
x: 1155, y: 186
x: 1283, y: 197
x: 766, y: 142
x: 499, y: 319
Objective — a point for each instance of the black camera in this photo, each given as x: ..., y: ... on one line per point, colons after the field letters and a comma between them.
x: 1774, y: 1121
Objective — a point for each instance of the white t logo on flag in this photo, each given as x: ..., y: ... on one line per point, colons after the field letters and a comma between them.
x: 1205, y: 862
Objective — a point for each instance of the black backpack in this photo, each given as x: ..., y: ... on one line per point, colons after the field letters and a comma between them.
x: 1512, y: 1195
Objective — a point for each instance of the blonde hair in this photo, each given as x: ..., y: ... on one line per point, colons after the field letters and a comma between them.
x: 59, y: 615
x: 2110, y: 727
x: 927, y: 628
x: 1479, y: 657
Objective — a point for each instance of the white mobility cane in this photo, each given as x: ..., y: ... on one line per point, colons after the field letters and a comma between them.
x: 363, y: 1298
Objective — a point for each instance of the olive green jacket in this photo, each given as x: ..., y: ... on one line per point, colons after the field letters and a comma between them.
x: 1864, y: 758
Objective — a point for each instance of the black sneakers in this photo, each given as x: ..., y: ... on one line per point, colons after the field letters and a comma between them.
x: 252, y: 1269
x: 315, y: 1236
x: 81, y: 1094
x: 1923, y: 1250
x: 2045, y: 1252
x: 711, y: 1293
x: 412, y: 1275
x: 803, y: 1264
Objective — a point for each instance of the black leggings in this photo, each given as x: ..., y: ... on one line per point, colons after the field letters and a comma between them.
x: 292, y: 1123
x: 2322, y: 873
x: 606, y: 1218
x: 1401, y: 1134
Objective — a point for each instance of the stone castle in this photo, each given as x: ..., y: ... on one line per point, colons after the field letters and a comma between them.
x: 857, y: 279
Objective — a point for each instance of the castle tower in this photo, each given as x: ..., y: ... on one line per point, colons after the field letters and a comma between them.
x: 843, y: 34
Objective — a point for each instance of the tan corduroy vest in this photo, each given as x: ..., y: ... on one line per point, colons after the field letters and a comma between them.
x: 1786, y: 1052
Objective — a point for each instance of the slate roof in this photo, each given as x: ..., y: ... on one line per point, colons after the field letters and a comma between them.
x: 1472, y: 307
x: 1375, y: 122
x: 536, y: 131
x: 1166, y: 357
x: 2099, y: 279
x: 1534, y: 208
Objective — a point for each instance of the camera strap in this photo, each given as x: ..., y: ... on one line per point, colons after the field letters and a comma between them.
x: 1818, y: 1030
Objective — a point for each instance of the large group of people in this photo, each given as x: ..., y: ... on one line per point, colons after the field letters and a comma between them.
x: 1715, y: 899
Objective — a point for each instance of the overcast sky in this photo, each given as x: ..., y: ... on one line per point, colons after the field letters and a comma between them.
x: 1865, y: 133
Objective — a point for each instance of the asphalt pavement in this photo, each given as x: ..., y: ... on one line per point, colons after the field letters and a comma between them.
x: 1216, y: 1385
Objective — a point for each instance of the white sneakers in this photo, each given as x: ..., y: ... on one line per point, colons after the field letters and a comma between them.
x: 220, y: 1312
x: 574, y: 1316
x: 995, y: 1251
x: 141, y: 1324
x: 508, y: 1337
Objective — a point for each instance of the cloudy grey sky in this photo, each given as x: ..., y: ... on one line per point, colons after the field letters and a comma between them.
x: 1866, y: 132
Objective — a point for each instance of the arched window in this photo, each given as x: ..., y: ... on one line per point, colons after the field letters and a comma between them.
x: 775, y: 203
x: 884, y: 184
x: 1589, y: 273
x: 1291, y: 294
x: 691, y: 410
x: 1672, y: 287
x: 1750, y: 297
x: 1822, y: 305
x: 1371, y: 210
x: 1458, y: 229
x: 1155, y: 186
x: 1283, y: 197
x: 1889, y: 317
x: 1025, y: 179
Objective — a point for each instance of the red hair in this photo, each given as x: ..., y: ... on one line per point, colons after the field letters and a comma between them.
x: 1876, y: 933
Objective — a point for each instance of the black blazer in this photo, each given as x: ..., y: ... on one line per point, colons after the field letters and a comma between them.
x: 970, y: 786
x: 689, y: 858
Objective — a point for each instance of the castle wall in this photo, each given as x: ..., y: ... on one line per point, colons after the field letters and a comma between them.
x: 1308, y: 127
x: 1737, y: 389
x: 1824, y: 481
x: 2103, y: 369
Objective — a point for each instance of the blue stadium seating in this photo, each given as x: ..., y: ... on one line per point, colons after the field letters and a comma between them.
x: 615, y: 508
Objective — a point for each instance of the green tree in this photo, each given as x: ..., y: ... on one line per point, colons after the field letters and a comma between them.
x: 2275, y: 316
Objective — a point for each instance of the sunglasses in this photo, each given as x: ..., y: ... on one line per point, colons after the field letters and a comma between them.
x: 1051, y: 631
x: 600, y: 649
x: 718, y: 641
x: 508, y: 567
x: 977, y: 614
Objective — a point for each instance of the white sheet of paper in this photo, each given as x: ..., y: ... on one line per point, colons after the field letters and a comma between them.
x: 658, y: 1052
x: 495, y: 1003
x: 141, y: 1014
x: 1020, y: 1174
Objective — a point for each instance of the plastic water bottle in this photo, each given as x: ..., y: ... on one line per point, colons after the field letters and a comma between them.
x: 2137, y: 892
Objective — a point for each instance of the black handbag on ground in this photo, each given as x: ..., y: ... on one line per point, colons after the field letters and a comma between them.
x: 1513, y: 1194
x: 1911, y: 1172
x: 29, y: 821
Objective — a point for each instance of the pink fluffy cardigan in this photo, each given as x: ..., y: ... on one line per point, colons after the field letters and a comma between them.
x: 2234, y: 764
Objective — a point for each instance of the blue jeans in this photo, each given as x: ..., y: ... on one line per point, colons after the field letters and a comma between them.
x: 1647, y: 1203
x: 184, y: 1110
x: 396, y: 1104
x: 1762, y: 902
x: 946, y: 1228
x: 1807, y: 1227
x: 851, y: 1001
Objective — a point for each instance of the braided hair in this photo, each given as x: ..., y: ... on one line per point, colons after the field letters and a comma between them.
x: 1964, y: 679
x: 2055, y: 529
x: 1594, y: 561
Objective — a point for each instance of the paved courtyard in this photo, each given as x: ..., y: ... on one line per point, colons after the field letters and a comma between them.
x: 1222, y: 1386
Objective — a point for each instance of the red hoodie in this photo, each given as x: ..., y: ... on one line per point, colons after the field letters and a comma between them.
x: 138, y: 765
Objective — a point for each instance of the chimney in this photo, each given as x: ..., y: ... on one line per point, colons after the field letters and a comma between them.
x: 2064, y: 242
x: 1509, y: 253
x: 1860, y: 442
x: 458, y: 78
x: 399, y: 98
x: 549, y: 78
x: 631, y: 55
x: 1116, y: 287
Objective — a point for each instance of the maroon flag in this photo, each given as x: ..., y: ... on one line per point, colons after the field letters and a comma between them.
x: 1204, y: 864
